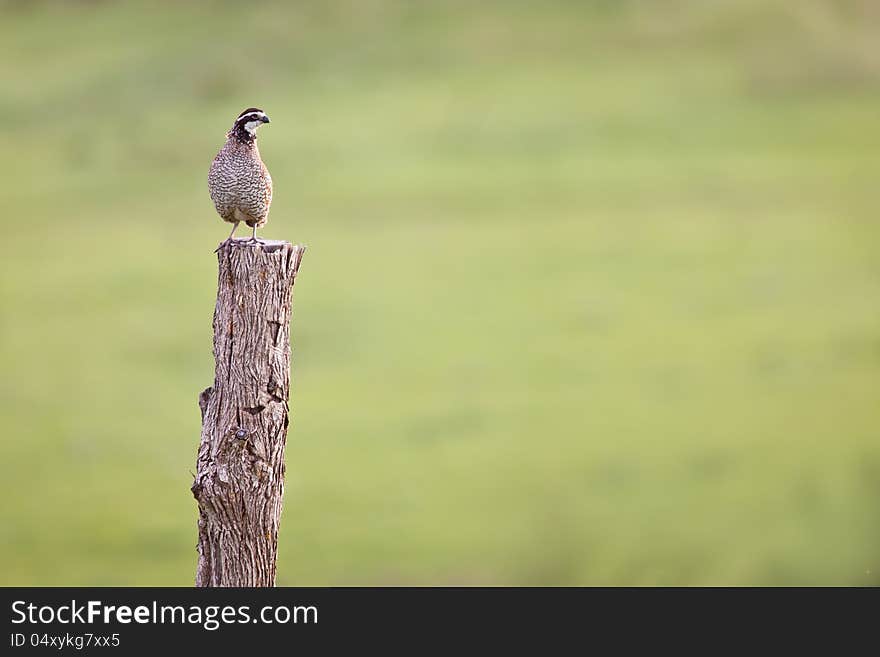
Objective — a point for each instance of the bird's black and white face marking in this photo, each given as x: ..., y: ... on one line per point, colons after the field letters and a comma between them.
x: 248, y: 122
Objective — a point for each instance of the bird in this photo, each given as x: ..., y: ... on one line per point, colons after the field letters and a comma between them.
x: 238, y: 180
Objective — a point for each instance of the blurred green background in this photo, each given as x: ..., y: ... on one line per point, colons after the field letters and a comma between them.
x: 592, y: 293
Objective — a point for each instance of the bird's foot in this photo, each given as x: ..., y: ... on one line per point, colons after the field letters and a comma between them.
x: 234, y: 240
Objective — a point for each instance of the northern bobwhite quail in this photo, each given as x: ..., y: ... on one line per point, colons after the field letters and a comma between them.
x: 238, y: 181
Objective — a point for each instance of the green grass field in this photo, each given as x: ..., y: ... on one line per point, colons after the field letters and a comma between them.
x: 592, y: 293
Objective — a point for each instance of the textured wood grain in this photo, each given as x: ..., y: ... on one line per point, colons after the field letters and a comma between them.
x: 239, y: 482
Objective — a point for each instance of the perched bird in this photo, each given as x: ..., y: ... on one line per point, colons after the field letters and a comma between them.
x: 238, y: 181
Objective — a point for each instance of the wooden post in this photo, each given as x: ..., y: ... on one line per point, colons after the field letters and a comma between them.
x: 239, y: 481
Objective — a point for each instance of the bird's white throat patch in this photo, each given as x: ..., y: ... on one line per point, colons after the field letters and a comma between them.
x: 251, y: 126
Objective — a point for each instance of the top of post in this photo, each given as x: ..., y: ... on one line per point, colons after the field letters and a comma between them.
x: 268, y: 246
x: 248, y: 252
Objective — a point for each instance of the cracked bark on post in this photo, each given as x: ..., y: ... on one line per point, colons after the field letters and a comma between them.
x: 239, y: 481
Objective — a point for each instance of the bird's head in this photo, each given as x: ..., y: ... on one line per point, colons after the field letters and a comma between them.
x: 245, y: 126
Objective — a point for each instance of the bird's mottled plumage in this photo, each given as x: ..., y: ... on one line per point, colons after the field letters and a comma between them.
x: 238, y: 181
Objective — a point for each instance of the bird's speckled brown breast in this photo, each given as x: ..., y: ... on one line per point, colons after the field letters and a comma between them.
x: 239, y: 183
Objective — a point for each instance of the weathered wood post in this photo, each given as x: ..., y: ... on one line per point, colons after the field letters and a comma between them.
x: 239, y: 481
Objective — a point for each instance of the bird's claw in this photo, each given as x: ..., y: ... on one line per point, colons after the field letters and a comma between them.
x: 221, y: 245
x: 232, y: 240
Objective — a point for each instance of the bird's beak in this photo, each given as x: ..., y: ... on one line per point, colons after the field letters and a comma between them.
x: 266, y: 119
